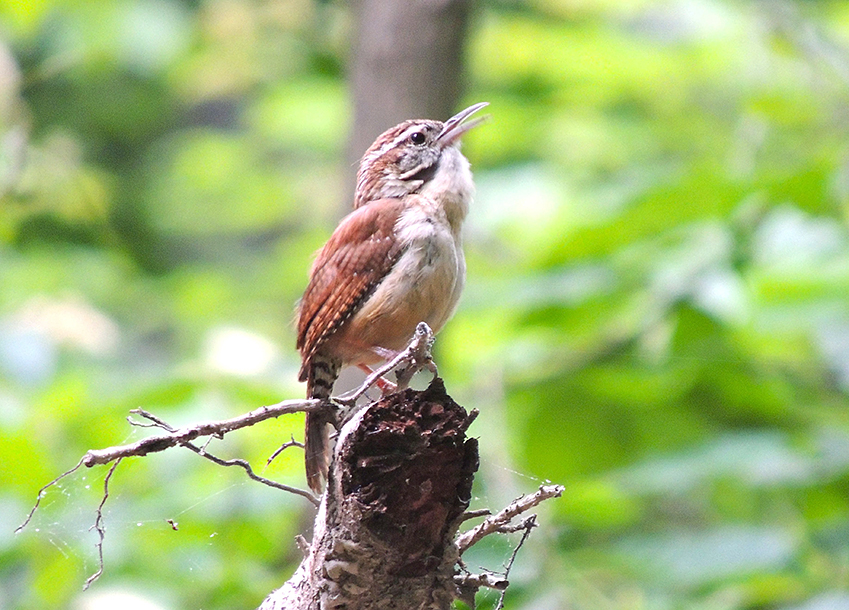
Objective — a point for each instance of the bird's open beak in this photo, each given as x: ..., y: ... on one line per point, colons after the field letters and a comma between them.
x: 454, y: 127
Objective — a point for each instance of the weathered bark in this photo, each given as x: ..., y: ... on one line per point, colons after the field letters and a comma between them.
x: 398, y: 486
x: 405, y: 63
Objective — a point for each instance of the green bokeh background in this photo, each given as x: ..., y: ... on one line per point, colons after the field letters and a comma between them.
x: 656, y: 314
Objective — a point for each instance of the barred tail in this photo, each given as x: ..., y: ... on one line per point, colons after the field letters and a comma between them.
x: 322, y: 373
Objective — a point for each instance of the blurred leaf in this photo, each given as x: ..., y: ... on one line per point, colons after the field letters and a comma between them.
x: 692, y: 559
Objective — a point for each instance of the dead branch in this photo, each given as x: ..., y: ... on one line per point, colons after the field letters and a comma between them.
x: 181, y: 436
x: 244, y: 465
x: 476, y: 581
x: 282, y: 448
x: 474, y: 514
x: 99, y: 527
x: 495, y: 523
x: 40, y: 496
x: 409, y: 361
x: 184, y: 436
x: 528, y: 525
x: 415, y: 357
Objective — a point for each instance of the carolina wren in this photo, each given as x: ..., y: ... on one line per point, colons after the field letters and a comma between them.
x: 393, y: 262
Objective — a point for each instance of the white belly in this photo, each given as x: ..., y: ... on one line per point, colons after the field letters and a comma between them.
x: 423, y: 286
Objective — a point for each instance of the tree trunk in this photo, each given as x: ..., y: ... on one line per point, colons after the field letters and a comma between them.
x: 399, y: 483
x: 405, y: 64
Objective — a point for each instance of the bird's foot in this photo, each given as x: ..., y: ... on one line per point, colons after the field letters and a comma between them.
x: 346, y: 404
x: 413, y: 358
x: 386, y: 387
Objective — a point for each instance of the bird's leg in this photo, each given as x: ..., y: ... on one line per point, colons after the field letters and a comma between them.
x: 347, y: 402
x: 386, y: 386
x: 414, y: 357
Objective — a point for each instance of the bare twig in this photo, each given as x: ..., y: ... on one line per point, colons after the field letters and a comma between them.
x: 44, y: 489
x: 184, y: 436
x: 155, y: 421
x: 174, y: 436
x: 476, y: 581
x: 417, y: 355
x: 494, y: 523
x: 201, y: 451
x: 511, y: 528
x: 282, y: 448
x: 468, y: 584
x: 247, y: 468
x: 141, y: 424
x: 181, y: 436
x: 528, y: 524
x: 474, y: 514
x: 99, y: 527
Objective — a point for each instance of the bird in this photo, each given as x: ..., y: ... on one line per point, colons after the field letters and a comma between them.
x: 394, y: 261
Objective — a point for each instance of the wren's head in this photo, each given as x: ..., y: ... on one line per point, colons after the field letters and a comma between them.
x: 414, y: 156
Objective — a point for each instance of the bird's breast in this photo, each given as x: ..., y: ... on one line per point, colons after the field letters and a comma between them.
x: 424, y: 285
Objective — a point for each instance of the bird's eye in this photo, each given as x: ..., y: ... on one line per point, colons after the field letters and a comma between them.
x: 417, y: 137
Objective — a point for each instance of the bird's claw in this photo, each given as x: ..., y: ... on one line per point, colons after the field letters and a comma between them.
x: 415, y: 357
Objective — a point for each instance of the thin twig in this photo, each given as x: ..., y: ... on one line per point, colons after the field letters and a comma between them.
x: 99, y: 527
x: 205, y: 445
x: 528, y: 524
x: 201, y: 451
x: 474, y: 514
x: 247, y: 468
x: 181, y: 436
x: 512, y: 528
x: 417, y: 353
x: 141, y: 424
x: 476, y: 581
x: 518, y: 506
x: 282, y: 448
x: 156, y: 422
x: 414, y: 357
x: 44, y: 489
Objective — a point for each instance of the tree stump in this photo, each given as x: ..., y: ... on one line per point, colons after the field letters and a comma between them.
x: 384, y: 537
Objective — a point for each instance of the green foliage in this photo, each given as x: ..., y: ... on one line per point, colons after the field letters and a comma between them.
x: 656, y: 315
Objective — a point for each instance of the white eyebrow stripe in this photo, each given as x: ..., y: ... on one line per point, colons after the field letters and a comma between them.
x: 409, y: 131
x: 406, y: 134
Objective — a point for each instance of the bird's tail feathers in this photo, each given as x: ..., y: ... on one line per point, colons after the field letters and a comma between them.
x: 322, y: 374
